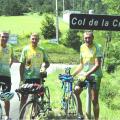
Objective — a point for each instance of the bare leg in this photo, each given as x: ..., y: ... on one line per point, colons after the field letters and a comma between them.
x: 7, y: 107
x: 77, y: 92
x: 95, y: 104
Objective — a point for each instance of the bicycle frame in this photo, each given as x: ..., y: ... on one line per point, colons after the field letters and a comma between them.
x: 41, y: 101
x: 69, y: 100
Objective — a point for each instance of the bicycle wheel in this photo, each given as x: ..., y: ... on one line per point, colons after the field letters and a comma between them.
x: 46, y: 99
x: 72, y: 106
x: 30, y: 111
x: 0, y: 112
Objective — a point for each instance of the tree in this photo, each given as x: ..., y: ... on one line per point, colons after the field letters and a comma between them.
x: 72, y: 40
x: 48, y: 29
x: 11, y: 7
x: 113, y: 6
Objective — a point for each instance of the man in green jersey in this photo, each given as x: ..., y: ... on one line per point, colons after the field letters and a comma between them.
x: 32, y: 59
x: 6, y: 59
x: 90, y: 65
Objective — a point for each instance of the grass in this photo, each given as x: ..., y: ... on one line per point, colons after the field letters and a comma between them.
x: 20, y: 24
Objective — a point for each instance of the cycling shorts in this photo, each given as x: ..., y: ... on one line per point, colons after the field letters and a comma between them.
x: 7, y: 81
x: 33, y: 80
x: 83, y: 84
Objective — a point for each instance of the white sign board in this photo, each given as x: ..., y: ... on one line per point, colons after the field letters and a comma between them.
x: 66, y: 15
x: 13, y: 39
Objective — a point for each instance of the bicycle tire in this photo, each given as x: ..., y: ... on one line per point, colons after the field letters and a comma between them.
x: 30, y: 111
x: 46, y: 99
x: 1, y: 112
x: 72, y: 106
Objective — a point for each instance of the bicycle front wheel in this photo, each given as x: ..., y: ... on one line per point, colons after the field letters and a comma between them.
x: 72, y: 106
x: 30, y: 111
x: 0, y: 112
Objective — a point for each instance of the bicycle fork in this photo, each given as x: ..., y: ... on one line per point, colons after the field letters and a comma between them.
x: 88, y: 101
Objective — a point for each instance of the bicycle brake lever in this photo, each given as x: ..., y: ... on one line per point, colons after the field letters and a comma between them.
x: 18, y: 95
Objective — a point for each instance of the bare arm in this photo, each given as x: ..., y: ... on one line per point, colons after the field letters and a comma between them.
x: 22, y: 68
x: 47, y: 64
x: 78, y: 69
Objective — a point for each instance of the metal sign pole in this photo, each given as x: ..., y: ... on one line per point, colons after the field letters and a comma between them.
x: 57, y: 23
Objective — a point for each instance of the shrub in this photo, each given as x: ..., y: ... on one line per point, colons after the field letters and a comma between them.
x: 113, y: 57
x: 107, y: 93
x: 72, y: 39
x: 48, y: 29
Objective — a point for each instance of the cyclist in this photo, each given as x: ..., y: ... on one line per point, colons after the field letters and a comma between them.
x: 6, y: 60
x: 33, y: 59
x: 90, y: 64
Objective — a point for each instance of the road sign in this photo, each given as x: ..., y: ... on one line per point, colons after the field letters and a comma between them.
x: 95, y: 22
x: 13, y: 39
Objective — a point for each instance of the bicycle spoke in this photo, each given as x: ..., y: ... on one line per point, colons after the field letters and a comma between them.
x: 72, y: 106
x: 30, y: 111
x: 46, y: 99
x: 0, y: 112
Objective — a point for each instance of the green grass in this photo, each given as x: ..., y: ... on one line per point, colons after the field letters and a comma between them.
x: 20, y: 24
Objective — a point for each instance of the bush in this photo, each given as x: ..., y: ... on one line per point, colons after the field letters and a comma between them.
x: 72, y: 39
x: 107, y: 93
x: 113, y: 57
x: 48, y: 29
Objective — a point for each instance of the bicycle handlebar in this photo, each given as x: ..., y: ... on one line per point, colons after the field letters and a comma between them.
x: 66, y: 78
x: 31, y: 89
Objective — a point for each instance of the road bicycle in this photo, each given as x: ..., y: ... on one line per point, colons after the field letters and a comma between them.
x: 4, y: 96
x: 69, y: 100
x: 38, y: 103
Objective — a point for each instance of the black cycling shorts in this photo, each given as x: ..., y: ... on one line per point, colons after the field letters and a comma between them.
x: 32, y: 80
x: 83, y: 84
x: 7, y: 81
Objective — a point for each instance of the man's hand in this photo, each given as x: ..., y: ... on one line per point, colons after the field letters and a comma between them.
x: 42, y: 70
x: 82, y: 76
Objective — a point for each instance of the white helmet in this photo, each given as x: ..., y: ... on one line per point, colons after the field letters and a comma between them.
x: 6, y: 96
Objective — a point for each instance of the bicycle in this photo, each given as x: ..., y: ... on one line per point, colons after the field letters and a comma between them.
x: 38, y: 103
x: 3, y: 97
x: 69, y: 100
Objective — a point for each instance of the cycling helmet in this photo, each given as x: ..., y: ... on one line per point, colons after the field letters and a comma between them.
x: 6, y: 96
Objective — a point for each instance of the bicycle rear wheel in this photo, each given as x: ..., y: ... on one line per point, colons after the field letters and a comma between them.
x: 30, y: 111
x: 1, y: 112
x: 46, y: 99
x: 72, y: 106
